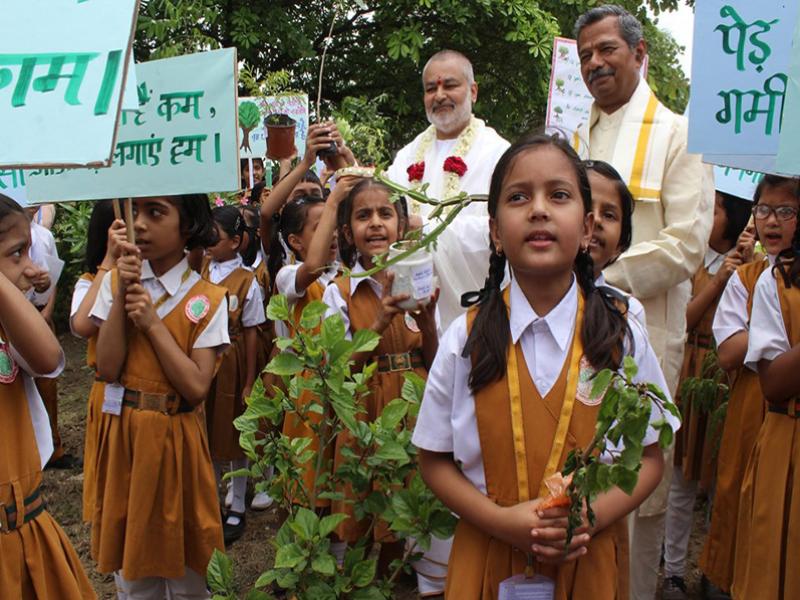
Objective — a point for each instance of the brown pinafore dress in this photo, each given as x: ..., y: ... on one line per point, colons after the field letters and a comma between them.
x: 37, y: 560
x: 479, y: 562
x: 94, y: 407
x: 694, y: 450
x: 743, y: 420
x: 157, y: 508
x: 768, y: 543
x: 399, y: 351
x: 225, y: 402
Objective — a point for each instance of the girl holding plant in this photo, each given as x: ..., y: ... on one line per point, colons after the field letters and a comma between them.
x: 509, y: 394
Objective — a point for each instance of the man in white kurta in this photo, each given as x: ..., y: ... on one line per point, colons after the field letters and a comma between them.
x: 461, y: 257
x: 646, y: 143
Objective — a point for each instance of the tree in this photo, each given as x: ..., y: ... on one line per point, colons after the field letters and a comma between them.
x: 249, y: 117
x: 378, y: 48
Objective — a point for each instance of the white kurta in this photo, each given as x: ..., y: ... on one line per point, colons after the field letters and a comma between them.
x: 462, y: 254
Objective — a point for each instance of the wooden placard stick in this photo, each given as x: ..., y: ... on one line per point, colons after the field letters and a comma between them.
x: 117, y: 208
x: 129, y: 220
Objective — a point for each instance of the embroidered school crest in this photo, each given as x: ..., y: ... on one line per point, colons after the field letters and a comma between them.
x: 197, y: 307
x: 233, y: 303
x: 411, y: 323
x: 8, y: 366
x: 585, y: 384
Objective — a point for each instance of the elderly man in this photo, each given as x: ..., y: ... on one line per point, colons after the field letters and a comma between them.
x: 457, y: 153
x: 646, y: 143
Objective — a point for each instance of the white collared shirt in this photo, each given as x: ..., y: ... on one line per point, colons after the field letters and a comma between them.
x: 635, y: 308
x: 78, y: 294
x: 253, y: 310
x: 732, y: 316
x: 39, y: 418
x: 337, y: 304
x: 768, y: 338
x: 286, y: 284
x: 713, y: 260
x: 447, y: 421
x: 172, y: 283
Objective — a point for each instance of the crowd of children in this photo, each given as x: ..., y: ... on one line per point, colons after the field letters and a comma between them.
x: 177, y: 336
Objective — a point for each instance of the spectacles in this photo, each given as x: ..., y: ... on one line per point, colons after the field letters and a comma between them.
x: 782, y: 213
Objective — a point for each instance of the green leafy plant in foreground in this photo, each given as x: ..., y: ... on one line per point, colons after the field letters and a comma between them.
x: 623, y: 420
x: 321, y: 389
x: 709, y: 394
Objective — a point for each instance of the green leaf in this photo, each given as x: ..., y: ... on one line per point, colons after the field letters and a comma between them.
x: 363, y: 573
x: 665, y: 437
x: 332, y: 330
x: 265, y: 579
x: 324, y: 564
x: 393, y: 413
x: 370, y: 593
x: 329, y: 523
x: 220, y: 572
x: 289, y: 556
x: 601, y: 383
x: 313, y: 314
x: 278, y: 308
x: 629, y: 368
x: 285, y: 364
x: 392, y: 450
x: 258, y: 595
x: 365, y: 340
x: 305, y: 524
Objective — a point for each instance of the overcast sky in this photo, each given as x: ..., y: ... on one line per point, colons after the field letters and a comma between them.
x: 681, y: 25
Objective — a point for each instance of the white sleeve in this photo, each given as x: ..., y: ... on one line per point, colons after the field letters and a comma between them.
x: 104, y: 300
x: 215, y: 335
x: 731, y: 316
x: 23, y: 364
x: 397, y: 171
x: 253, y: 311
x: 768, y: 338
x: 336, y: 304
x: 434, y: 428
x: 285, y: 283
x: 78, y: 294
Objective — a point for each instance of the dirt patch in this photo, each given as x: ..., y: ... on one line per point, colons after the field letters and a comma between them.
x: 253, y: 553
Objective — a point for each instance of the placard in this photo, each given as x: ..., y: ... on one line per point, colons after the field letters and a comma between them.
x: 182, y: 139
x: 63, y: 64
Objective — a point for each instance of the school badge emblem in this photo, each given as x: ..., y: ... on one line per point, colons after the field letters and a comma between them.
x: 585, y: 384
x: 8, y: 367
x: 411, y: 323
x: 233, y: 303
x: 197, y: 307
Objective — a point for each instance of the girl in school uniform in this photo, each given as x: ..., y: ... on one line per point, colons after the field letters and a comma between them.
x: 102, y: 250
x: 549, y: 329
x: 234, y: 381
x: 36, y: 558
x: 163, y: 327
x: 369, y: 223
x: 767, y: 552
x: 695, y: 458
x: 746, y: 408
x: 612, y: 207
x: 307, y: 226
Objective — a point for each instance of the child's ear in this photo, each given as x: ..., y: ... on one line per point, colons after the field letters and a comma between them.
x: 348, y: 234
x: 494, y: 235
x: 294, y: 242
x: 588, y: 229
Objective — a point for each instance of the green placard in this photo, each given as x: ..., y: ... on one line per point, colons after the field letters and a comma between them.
x: 182, y: 139
x: 62, y: 68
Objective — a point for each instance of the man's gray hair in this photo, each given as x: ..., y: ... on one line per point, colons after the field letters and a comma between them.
x: 630, y: 29
x: 469, y: 74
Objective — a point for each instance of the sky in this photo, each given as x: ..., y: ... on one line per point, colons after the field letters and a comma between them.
x: 681, y: 25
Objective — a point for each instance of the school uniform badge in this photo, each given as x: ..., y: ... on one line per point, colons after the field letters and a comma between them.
x: 411, y: 323
x: 233, y: 303
x: 585, y: 384
x: 197, y: 307
x: 8, y: 366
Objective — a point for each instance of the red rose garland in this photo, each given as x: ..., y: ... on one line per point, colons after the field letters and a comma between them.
x: 454, y: 164
x: 416, y: 171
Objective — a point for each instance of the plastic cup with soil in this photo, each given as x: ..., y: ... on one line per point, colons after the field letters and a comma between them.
x: 414, y: 275
x: 280, y: 136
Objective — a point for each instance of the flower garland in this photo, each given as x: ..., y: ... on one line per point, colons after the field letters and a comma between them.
x: 454, y: 165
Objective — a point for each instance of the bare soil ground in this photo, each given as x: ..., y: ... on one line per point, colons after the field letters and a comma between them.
x: 253, y: 553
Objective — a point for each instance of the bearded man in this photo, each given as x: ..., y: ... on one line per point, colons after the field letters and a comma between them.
x: 674, y: 192
x: 457, y: 153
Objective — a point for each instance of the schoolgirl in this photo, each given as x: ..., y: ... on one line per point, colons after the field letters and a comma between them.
x: 37, y: 560
x: 102, y: 250
x: 223, y: 265
x: 550, y: 329
x: 746, y: 407
x: 163, y: 329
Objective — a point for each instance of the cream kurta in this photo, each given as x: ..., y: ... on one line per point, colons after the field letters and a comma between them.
x: 462, y: 254
x: 670, y: 233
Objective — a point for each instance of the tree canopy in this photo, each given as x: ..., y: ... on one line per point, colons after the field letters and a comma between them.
x: 377, y: 49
